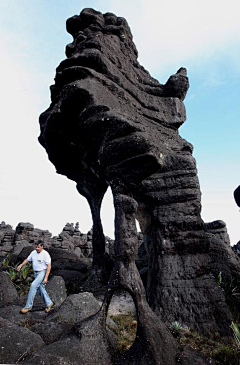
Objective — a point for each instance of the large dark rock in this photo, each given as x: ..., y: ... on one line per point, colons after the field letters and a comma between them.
x: 188, y: 356
x: 73, y: 310
x: 76, y: 307
x: 12, y: 313
x: 16, y: 343
x: 61, y: 254
x: 73, y: 278
x: 111, y: 124
x: 8, y: 292
x: 72, y: 349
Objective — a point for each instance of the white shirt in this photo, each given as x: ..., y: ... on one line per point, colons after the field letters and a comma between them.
x: 39, y: 260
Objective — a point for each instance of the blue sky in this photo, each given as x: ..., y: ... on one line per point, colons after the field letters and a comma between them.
x: 202, y: 36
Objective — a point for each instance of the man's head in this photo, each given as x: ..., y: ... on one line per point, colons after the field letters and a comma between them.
x: 39, y: 246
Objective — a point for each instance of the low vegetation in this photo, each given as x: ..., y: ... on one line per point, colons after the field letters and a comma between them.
x: 225, y: 351
x: 21, y: 279
x: 125, y: 330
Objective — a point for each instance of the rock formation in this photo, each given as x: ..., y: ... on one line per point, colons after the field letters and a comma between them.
x: 236, y: 195
x: 111, y: 124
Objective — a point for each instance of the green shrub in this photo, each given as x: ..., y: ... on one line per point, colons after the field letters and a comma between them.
x: 21, y: 279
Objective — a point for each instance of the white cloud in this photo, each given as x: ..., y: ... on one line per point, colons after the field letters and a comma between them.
x: 172, y: 33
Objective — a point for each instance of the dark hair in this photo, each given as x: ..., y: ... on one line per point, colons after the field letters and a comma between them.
x: 39, y: 243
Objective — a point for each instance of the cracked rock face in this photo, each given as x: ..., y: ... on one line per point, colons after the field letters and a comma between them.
x: 111, y: 124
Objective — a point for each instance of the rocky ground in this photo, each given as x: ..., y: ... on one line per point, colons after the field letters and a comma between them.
x: 50, y: 338
x: 35, y: 331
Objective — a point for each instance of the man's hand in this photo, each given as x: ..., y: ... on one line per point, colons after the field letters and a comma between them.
x: 45, y: 281
x: 22, y: 264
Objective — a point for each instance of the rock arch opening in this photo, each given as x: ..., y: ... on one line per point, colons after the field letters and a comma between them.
x: 122, y: 320
x: 126, y: 136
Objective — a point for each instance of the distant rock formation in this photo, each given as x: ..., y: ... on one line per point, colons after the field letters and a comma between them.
x: 236, y: 195
x: 13, y: 241
x: 111, y: 124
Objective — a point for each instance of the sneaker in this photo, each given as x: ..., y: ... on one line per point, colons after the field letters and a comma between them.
x: 25, y: 310
x: 49, y: 307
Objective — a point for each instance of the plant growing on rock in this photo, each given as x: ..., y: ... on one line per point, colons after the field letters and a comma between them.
x: 21, y: 279
x: 222, y: 349
x: 236, y: 334
x: 219, y: 278
x: 5, y: 262
x: 125, y: 330
x: 176, y: 326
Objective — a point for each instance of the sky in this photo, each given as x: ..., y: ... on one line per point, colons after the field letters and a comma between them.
x: 203, y: 36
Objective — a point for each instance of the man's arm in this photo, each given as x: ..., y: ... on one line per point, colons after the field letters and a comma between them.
x: 22, y: 264
x: 45, y: 280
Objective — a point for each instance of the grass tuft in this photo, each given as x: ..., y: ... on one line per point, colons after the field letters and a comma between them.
x: 125, y: 330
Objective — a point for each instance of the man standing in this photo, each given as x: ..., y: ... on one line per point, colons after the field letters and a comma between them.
x: 41, y: 262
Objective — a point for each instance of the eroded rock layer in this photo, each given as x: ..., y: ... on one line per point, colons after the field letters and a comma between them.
x: 111, y: 124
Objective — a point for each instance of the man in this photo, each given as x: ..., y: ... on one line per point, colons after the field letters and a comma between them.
x: 41, y: 262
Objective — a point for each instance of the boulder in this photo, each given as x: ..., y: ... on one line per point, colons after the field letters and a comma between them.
x: 17, y: 343
x: 12, y: 314
x: 74, y: 309
x: 64, y: 264
x: 8, y: 292
x: 51, y: 331
x: 57, y: 290
x: 73, y: 349
x: 23, y: 255
x: 72, y: 277
x: 61, y: 254
x: 188, y: 356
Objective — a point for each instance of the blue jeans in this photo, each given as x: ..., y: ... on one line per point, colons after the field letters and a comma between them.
x: 38, y: 286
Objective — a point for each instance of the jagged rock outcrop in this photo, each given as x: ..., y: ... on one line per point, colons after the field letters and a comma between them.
x: 26, y: 235
x: 71, y: 240
x: 111, y: 124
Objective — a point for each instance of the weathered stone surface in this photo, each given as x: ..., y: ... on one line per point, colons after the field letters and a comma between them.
x: 188, y: 356
x: 223, y: 257
x: 25, y: 252
x: 70, y: 239
x: 8, y: 292
x: 91, y: 349
x: 51, y: 331
x: 236, y: 248
x: 72, y: 277
x: 6, y: 238
x: 12, y: 314
x: 16, y: 343
x: 57, y: 290
x: 76, y: 307
x: 61, y: 254
x: 103, y: 98
x: 65, y: 264
x: 19, y: 245
x: 73, y: 310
